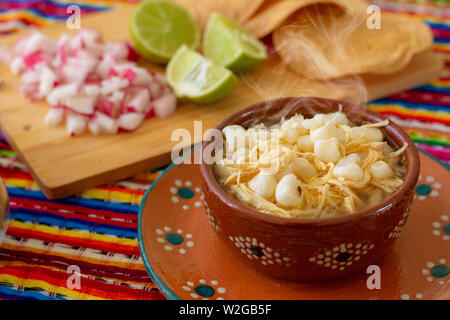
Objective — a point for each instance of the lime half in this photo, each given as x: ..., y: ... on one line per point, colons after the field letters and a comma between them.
x: 230, y: 45
x: 159, y: 27
x: 194, y: 77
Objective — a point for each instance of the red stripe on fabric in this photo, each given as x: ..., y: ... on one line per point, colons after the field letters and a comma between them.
x: 98, y: 270
x: 75, y: 209
x: 5, y: 146
x: 441, y: 33
x: 43, y: 7
x: 73, y: 241
x: 409, y: 116
x: 15, y: 173
x: 89, y: 286
x: 423, y: 97
x: 22, y: 204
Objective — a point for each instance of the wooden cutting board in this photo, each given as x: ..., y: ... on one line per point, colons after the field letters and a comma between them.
x: 64, y: 165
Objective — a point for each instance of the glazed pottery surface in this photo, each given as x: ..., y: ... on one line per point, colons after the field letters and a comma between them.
x: 184, y: 256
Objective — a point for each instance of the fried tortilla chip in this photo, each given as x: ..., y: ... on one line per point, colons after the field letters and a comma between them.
x: 323, y: 41
x: 238, y: 10
x: 274, y: 12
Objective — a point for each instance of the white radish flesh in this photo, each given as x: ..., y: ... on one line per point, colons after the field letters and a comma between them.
x: 76, y: 124
x: 165, y: 105
x: 131, y: 121
x: 54, y: 116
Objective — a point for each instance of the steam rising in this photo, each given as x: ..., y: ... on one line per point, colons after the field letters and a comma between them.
x: 333, y: 26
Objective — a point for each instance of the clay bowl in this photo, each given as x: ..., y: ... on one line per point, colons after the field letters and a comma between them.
x: 310, y: 249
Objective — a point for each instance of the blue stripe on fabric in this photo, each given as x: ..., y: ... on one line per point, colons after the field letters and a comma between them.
x: 76, y: 201
x: 412, y: 105
x: 433, y: 24
x: 9, y: 293
x: 70, y: 223
x: 441, y: 41
x: 433, y: 89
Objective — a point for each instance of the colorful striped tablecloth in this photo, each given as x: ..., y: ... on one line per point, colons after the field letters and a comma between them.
x: 96, y: 230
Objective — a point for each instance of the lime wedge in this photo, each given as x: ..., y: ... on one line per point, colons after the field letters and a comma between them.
x: 194, y: 77
x: 159, y: 27
x: 230, y: 45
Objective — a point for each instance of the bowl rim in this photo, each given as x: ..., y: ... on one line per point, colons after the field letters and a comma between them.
x: 246, y: 212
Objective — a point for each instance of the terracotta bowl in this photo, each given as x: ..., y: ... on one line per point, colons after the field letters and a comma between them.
x: 310, y: 249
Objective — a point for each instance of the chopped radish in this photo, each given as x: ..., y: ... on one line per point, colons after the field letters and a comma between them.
x: 93, y: 84
x: 54, y: 116
x: 80, y: 104
x: 155, y: 90
x: 91, y: 90
x: 76, y: 124
x: 105, y: 106
x: 160, y: 78
x: 118, y: 50
x: 138, y: 101
x: 48, y: 79
x: 107, y: 124
x: 37, y: 42
x: 112, y: 84
x: 105, y: 65
x: 94, y: 127
x: 131, y: 121
x: 165, y: 105
x: 60, y: 92
x: 17, y: 65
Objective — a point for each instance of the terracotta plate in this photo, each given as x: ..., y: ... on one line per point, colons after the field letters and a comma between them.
x: 186, y: 260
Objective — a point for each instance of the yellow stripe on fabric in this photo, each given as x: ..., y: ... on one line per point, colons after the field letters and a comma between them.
x: 441, y: 83
x: 441, y: 47
x: 31, y: 283
x: 24, y: 15
x: 413, y: 112
x: 428, y: 133
x: 21, y: 183
x: 112, y: 195
x: 73, y: 233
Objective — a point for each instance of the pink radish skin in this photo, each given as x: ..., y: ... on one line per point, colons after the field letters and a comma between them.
x: 105, y: 106
x: 165, y: 105
x: 139, y: 100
